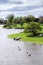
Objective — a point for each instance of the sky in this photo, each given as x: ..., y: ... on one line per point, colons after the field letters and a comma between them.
x: 21, y: 8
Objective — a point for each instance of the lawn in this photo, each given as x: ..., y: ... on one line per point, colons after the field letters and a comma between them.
x: 28, y: 39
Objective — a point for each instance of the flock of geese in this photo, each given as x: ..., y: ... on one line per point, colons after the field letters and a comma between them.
x: 26, y: 52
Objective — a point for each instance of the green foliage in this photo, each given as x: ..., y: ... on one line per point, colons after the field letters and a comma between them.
x: 25, y: 25
x: 23, y: 21
x: 30, y: 18
x: 41, y: 19
x: 13, y: 26
x: 33, y: 27
x: 18, y: 26
x: 9, y: 20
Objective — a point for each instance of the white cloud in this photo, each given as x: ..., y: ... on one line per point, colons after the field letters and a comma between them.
x: 37, y: 9
x: 6, y: 8
x: 29, y: 2
x: 36, y: 12
x: 25, y: 3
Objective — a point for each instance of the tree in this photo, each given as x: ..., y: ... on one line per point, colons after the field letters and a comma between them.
x: 27, y: 19
x: 30, y: 18
x: 41, y: 19
x: 33, y: 27
x: 9, y: 20
x: 2, y: 21
x: 36, y: 20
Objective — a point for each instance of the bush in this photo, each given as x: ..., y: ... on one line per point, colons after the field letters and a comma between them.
x: 13, y: 26
x: 25, y: 25
x: 18, y: 26
x: 33, y: 27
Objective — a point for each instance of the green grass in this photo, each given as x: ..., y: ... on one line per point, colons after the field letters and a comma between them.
x: 28, y: 39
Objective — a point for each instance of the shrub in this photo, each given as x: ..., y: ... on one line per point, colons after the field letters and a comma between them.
x: 18, y: 26
x: 25, y: 25
x: 33, y: 27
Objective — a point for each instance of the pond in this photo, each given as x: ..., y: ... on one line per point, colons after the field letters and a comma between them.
x: 15, y: 52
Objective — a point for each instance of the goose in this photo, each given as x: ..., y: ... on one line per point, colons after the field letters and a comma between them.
x: 19, y: 48
x: 29, y: 55
x: 27, y: 52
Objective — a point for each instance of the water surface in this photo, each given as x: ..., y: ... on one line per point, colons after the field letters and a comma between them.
x: 10, y: 54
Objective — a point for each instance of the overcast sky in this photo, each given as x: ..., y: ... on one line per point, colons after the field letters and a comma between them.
x: 21, y: 7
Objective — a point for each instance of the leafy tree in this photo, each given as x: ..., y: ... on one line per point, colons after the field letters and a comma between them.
x: 41, y: 19
x: 33, y: 27
x: 36, y: 20
x: 9, y: 20
x: 25, y: 25
x: 18, y: 26
x: 30, y: 18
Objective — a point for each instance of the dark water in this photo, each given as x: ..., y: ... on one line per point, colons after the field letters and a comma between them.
x: 10, y: 54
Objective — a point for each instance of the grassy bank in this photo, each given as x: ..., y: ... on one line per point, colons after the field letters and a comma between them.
x: 24, y: 37
x: 29, y: 39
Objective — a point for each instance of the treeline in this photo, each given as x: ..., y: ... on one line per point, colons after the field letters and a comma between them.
x: 21, y: 22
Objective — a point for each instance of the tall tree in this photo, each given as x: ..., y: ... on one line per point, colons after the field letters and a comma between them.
x: 9, y: 20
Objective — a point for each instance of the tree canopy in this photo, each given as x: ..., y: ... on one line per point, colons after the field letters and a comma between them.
x: 33, y: 27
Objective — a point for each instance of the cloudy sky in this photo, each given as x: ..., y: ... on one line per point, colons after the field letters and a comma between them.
x: 21, y: 7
